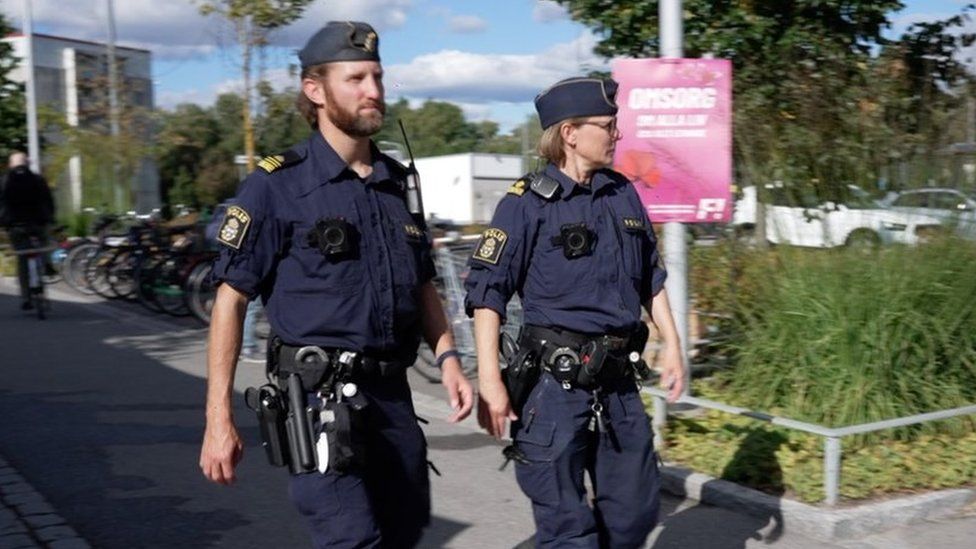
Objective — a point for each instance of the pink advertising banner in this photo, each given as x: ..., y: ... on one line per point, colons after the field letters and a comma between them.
x: 676, y: 120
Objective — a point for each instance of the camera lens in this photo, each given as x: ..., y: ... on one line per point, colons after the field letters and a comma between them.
x: 576, y: 241
x: 334, y: 236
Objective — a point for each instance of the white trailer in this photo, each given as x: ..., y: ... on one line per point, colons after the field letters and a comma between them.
x: 465, y: 188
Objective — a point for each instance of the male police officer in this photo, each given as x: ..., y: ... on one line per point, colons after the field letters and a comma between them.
x: 26, y: 209
x: 574, y: 242
x: 323, y: 235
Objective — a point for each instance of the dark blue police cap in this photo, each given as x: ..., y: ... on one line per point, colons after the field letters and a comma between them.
x: 341, y: 41
x: 576, y: 97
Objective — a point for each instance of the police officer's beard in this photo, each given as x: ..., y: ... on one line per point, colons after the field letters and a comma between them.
x: 352, y: 123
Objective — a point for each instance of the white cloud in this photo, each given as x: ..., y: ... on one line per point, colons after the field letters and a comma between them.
x: 547, y: 11
x: 466, y: 24
x: 478, y: 78
x: 175, y: 29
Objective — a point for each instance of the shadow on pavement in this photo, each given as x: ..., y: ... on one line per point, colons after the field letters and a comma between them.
x: 110, y: 436
x: 684, y: 528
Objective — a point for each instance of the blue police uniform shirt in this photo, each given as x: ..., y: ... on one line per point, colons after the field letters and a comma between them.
x: 597, y: 293
x: 367, y: 300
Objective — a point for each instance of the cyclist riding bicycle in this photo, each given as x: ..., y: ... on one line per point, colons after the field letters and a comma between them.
x: 26, y: 209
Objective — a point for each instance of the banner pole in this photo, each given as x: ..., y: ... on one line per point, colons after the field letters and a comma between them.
x: 675, y: 252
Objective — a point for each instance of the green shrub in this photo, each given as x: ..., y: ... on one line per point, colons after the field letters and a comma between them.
x: 841, y: 337
x: 789, y: 463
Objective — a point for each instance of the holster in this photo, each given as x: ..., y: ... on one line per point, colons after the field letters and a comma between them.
x: 521, y: 374
x: 267, y: 403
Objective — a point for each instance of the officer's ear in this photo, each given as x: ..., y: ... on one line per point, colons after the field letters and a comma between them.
x: 314, y: 90
x: 567, y: 131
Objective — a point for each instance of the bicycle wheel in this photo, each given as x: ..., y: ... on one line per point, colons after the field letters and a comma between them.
x: 76, y: 264
x: 200, y: 291
x: 145, y: 282
x: 97, y: 272
x: 121, y: 278
x: 168, y: 290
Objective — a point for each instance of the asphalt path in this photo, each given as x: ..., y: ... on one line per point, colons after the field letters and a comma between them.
x: 102, y: 413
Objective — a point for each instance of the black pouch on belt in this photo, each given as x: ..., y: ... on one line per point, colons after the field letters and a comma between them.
x: 345, y: 431
x: 592, y: 356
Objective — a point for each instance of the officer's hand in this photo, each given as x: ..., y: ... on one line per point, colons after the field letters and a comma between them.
x: 672, y: 372
x: 459, y: 390
x: 222, y: 450
x: 494, y: 408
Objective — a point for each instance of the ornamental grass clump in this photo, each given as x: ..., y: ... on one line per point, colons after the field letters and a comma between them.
x: 843, y: 337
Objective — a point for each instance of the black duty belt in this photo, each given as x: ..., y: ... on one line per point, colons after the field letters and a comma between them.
x: 317, y: 364
x: 536, y: 336
x: 575, y: 358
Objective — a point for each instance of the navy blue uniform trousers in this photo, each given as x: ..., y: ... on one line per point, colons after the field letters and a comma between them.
x: 387, y: 504
x: 553, y: 433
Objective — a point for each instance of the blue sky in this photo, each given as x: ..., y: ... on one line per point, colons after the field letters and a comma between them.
x: 490, y: 57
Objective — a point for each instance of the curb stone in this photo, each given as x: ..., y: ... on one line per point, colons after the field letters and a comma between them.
x: 27, y: 520
x: 826, y: 524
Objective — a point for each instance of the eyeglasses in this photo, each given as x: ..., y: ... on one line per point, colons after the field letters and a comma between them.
x: 609, y: 127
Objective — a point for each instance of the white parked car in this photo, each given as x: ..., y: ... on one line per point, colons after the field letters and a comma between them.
x: 804, y: 222
x: 954, y: 208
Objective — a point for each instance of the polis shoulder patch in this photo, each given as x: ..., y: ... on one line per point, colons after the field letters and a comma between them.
x: 490, y: 246
x: 234, y: 227
x: 518, y: 188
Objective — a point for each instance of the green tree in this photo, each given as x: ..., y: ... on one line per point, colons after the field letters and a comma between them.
x: 185, y: 135
x: 253, y: 21
x: 280, y: 125
x: 195, y: 151
x: 13, y: 124
x: 439, y: 128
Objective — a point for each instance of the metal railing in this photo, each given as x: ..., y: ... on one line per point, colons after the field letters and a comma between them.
x: 832, y: 436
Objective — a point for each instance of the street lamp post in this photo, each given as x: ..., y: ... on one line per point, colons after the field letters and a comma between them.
x: 33, y: 143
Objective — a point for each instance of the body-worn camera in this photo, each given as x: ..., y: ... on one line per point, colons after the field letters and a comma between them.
x: 333, y: 236
x: 576, y: 240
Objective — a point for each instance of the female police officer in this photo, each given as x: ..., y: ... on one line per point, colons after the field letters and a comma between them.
x: 575, y: 243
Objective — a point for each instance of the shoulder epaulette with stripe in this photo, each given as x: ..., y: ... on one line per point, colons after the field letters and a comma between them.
x: 278, y: 161
x: 538, y: 182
